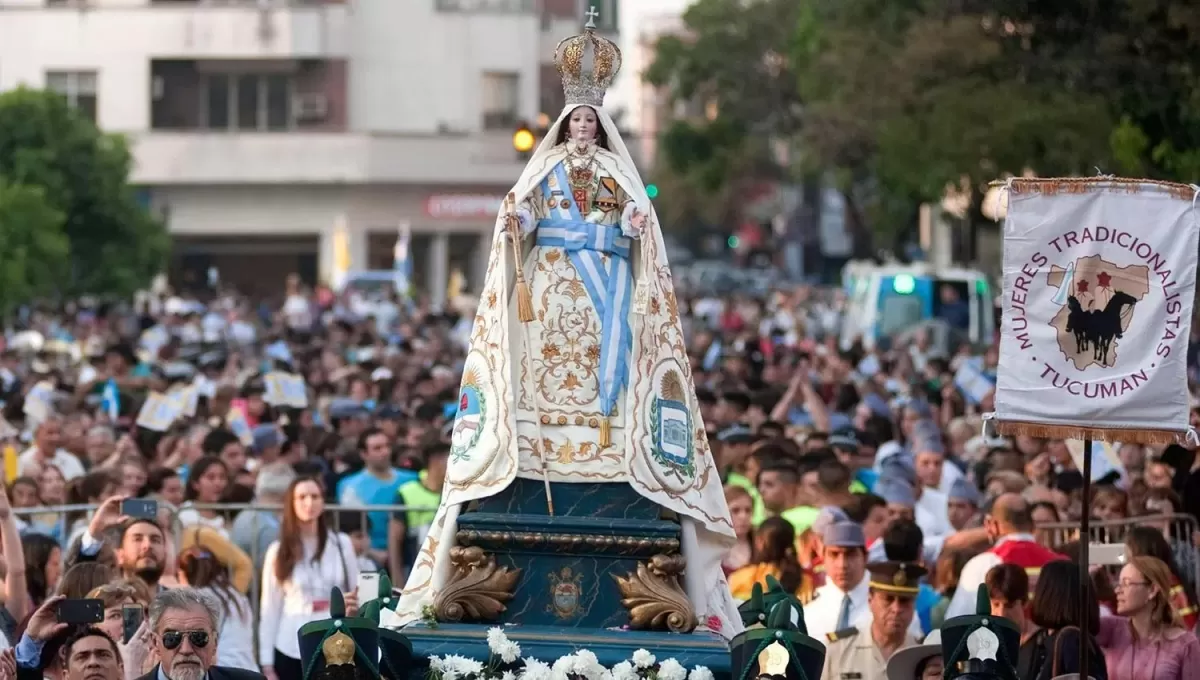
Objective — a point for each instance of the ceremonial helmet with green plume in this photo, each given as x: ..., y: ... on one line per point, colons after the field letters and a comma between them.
x: 980, y: 646
x: 396, y: 651
x: 755, y: 610
x: 781, y: 649
x: 340, y: 647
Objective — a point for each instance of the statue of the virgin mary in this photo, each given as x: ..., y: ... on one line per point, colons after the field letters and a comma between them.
x: 586, y: 380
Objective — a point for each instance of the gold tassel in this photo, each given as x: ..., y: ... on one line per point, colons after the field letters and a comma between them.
x: 524, y: 296
x: 605, y: 433
x: 524, y: 301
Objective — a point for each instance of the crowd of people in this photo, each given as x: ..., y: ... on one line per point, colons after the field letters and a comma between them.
x: 844, y: 470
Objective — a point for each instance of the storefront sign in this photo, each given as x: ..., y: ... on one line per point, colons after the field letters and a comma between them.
x: 462, y: 206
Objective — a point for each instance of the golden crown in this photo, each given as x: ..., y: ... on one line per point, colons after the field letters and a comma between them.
x: 583, y: 85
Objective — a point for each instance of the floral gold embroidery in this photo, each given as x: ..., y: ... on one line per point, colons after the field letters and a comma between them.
x: 553, y: 256
x: 570, y: 382
x: 492, y: 299
x: 593, y: 353
x: 549, y: 351
x: 654, y: 306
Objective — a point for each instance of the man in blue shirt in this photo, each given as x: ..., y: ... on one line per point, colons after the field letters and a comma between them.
x: 376, y: 484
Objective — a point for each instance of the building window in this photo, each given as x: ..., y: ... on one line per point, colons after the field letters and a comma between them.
x: 500, y: 94
x: 79, y: 87
x: 246, y: 101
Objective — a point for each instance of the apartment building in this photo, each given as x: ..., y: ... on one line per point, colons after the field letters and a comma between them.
x: 257, y: 125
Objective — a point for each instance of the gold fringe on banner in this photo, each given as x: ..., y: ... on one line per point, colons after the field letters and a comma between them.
x: 1015, y: 428
x: 1051, y: 186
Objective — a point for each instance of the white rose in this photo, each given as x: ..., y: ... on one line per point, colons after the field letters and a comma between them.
x: 643, y: 659
x: 496, y: 639
x: 671, y: 670
x: 700, y: 673
x: 509, y: 651
x: 535, y: 670
x: 624, y: 671
x: 587, y: 665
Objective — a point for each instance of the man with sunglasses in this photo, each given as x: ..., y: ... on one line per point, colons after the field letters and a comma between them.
x: 184, y: 623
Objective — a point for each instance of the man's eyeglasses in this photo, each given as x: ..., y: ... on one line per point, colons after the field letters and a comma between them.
x: 171, y: 639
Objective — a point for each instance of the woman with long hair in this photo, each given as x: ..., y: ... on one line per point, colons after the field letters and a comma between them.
x: 308, y: 561
x: 1059, y: 604
x: 1147, y: 640
x: 741, y: 511
x: 207, y: 482
x: 1150, y: 542
x: 774, y: 554
x: 200, y: 568
x: 43, y: 567
x: 52, y: 490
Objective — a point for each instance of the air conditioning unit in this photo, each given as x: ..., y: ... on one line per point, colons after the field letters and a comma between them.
x: 312, y: 107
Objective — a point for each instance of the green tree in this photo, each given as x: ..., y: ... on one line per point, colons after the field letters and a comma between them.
x: 116, y: 246
x: 731, y: 66
x: 33, y: 246
x: 923, y: 96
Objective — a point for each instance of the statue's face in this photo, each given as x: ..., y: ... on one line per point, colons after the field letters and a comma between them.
x: 583, y: 124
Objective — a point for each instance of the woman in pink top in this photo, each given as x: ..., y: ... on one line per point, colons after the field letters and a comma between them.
x: 1147, y: 641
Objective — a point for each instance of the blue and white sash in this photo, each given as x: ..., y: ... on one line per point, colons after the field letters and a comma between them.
x: 608, y: 280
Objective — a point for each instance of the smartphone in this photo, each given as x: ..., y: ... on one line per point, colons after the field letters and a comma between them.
x: 81, y: 611
x: 1106, y: 554
x: 368, y: 588
x: 140, y: 508
x: 131, y: 620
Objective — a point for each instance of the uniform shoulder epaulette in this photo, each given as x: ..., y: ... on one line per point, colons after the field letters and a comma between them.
x: 841, y: 634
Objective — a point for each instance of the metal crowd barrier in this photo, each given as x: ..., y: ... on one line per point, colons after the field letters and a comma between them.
x: 1178, y: 529
x: 260, y: 513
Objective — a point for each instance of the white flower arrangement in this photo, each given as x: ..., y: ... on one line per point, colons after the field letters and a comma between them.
x: 506, y: 663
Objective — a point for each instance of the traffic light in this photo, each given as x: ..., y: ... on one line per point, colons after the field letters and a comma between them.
x: 523, y: 141
x: 652, y: 190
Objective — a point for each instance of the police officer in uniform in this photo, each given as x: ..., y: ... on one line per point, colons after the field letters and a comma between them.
x: 862, y: 654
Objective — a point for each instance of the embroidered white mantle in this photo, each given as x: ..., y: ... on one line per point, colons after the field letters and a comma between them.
x: 515, y: 398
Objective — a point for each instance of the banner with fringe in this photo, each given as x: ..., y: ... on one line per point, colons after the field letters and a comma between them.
x: 1099, y: 278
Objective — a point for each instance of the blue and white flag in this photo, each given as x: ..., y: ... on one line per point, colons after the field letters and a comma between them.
x: 1104, y: 459
x: 110, y: 400
x: 402, y: 260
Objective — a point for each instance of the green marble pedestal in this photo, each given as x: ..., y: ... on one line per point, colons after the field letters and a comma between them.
x: 565, y: 577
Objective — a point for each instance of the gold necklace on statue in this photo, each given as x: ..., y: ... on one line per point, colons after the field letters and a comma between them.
x: 580, y: 173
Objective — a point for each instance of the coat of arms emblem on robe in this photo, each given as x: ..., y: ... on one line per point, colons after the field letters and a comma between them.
x: 671, y: 421
x: 472, y: 411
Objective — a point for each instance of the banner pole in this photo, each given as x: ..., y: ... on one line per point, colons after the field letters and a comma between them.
x: 1085, y: 571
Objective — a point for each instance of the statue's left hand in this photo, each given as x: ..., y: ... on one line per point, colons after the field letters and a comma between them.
x: 638, y: 221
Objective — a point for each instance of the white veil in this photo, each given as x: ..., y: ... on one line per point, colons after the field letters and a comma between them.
x: 548, y: 153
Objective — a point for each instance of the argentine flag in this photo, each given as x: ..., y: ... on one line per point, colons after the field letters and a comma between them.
x: 110, y: 400
x: 402, y: 261
x: 1066, y: 286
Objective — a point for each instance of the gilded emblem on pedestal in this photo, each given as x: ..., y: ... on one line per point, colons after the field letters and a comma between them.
x: 671, y: 423
x: 565, y: 590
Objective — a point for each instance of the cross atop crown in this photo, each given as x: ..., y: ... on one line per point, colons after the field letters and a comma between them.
x: 591, y: 15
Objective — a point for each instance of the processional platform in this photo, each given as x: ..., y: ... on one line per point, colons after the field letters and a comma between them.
x: 603, y: 573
